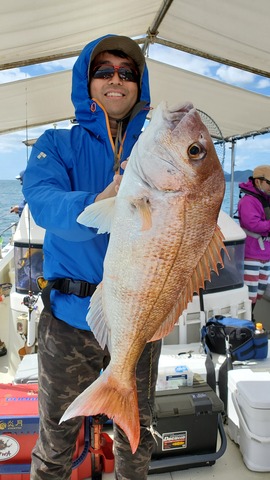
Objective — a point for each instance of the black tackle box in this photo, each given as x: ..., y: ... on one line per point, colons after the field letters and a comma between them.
x: 187, y: 423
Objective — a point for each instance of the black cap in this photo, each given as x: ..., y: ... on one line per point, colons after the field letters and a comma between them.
x: 124, y: 44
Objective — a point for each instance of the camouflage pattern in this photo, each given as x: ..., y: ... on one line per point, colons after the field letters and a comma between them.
x: 68, y: 361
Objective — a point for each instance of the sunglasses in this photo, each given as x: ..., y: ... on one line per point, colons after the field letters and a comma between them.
x: 264, y: 179
x: 107, y: 71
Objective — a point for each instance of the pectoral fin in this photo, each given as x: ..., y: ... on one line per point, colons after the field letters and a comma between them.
x: 99, y: 215
x: 144, y: 208
x: 97, y: 320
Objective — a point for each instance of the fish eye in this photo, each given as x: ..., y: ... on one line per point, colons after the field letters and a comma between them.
x: 196, y: 151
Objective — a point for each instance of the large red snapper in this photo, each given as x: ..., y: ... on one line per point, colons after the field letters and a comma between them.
x: 164, y: 242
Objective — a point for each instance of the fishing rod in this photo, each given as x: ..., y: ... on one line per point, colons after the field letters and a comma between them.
x: 30, y: 300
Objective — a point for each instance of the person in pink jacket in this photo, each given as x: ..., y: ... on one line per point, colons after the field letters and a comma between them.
x: 254, y: 218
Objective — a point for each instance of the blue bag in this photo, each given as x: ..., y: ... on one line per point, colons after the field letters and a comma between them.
x: 245, y: 344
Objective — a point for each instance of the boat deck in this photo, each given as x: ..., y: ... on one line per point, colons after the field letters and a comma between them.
x: 229, y: 464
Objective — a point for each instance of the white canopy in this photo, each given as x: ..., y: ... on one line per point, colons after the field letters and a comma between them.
x: 233, y: 32
x: 46, y: 99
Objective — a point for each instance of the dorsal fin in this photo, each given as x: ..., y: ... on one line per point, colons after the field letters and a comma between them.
x: 168, y: 324
x: 209, y: 261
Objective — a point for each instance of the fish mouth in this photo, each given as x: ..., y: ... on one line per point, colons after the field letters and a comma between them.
x: 175, y: 115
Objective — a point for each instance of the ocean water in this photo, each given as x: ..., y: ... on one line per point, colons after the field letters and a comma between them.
x: 11, y: 194
x: 227, y: 197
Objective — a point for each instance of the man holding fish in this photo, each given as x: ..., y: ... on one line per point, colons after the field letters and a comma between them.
x: 67, y: 171
x: 164, y: 243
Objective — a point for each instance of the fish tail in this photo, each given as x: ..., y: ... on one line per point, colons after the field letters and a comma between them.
x: 118, y: 402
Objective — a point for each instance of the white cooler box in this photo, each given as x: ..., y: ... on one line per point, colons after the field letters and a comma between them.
x: 250, y: 370
x: 234, y: 378
x: 251, y: 400
x: 27, y: 371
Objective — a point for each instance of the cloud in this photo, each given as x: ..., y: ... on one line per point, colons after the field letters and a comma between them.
x: 57, y: 65
x: 13, y: 152
x: 11, y: 143
x: 12, y: 75
x: 249, y: 153
x: 182, y: 59
x: 209, y: 68
x: 14, y: 141
x: 257, y: 144
x: 263, y: 83
x: 235, y: 76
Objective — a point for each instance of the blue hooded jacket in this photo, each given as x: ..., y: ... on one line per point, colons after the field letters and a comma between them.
x: 67, y: 169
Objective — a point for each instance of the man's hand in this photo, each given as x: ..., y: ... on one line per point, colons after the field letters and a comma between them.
x: 14, y: 209
x: 112, y: 189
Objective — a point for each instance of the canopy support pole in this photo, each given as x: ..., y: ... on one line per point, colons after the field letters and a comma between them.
x: 232, y: 178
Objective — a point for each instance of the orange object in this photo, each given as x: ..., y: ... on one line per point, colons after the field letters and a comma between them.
x: 19, y: 423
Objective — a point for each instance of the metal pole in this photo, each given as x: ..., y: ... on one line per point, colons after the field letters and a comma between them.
x: 232, y: 178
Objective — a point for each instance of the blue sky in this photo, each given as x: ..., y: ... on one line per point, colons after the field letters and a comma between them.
x: 249, y: 152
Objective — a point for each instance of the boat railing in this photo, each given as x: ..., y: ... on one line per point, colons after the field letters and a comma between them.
x: 11, y: 227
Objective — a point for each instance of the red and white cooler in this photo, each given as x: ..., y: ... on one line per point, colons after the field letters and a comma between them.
x: 19, y: 422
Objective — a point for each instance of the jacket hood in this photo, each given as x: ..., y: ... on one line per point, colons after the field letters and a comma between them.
x: 250, y: 188
x: 87, y: 111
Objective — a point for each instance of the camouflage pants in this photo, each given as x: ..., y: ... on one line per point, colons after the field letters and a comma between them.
x: 69, y: 360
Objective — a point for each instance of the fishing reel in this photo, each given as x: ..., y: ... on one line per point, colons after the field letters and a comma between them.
x: 30, y: 301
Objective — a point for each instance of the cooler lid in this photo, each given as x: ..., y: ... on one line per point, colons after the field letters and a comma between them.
x: 230, y: 229
x: 18, y: 400
x: 255, y: 393
x: 187, y: 401
x: 27, y: 371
